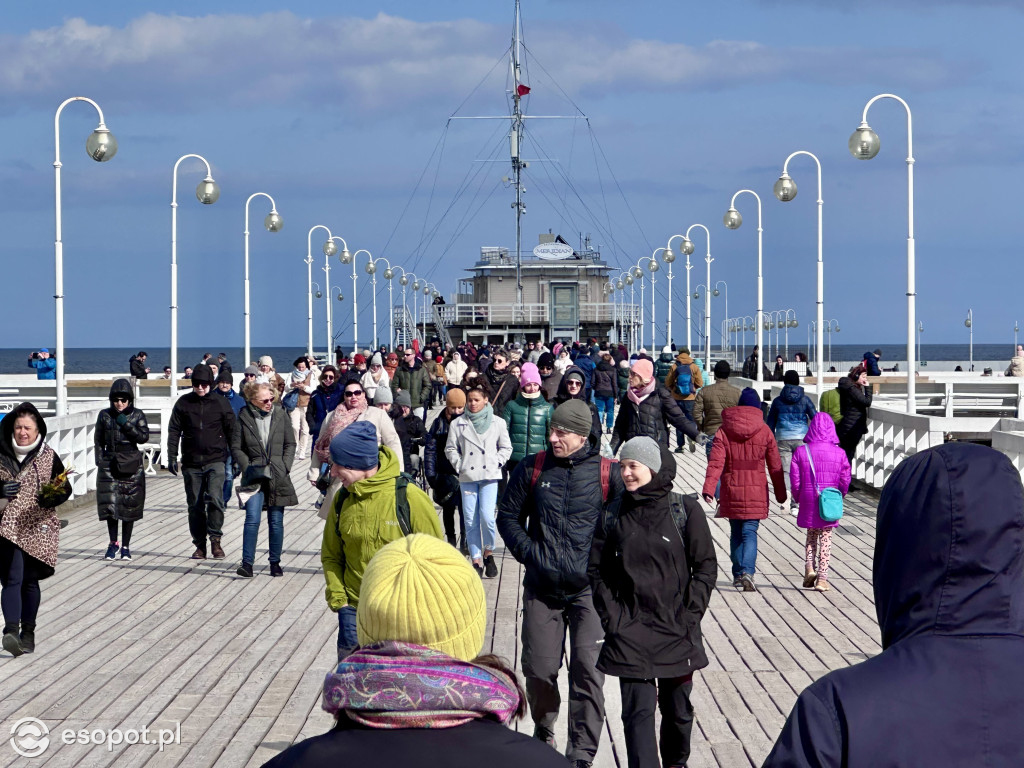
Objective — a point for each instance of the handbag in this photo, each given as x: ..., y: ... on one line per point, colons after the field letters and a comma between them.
x: 256, y: 473
x: 830, y: 500
x: 125, y: 463
x: 290, y: 401
x: 323, y: 480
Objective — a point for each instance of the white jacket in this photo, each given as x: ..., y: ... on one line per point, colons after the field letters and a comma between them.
x: 454, y: 372
x: 370, y: 386
x: 478, y: 457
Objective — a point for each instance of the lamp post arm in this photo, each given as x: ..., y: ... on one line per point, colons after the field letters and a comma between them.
x: 309, y: 239
x: 174, y: 180
x: 273, y: 207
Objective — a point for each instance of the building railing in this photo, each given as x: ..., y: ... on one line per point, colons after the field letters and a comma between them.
x: 532, y: 313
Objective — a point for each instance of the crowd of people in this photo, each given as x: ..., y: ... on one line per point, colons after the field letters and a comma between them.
x: 521, y: 453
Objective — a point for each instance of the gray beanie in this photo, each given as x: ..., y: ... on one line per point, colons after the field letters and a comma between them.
x: 644, y: 450
x: 573, y: 416
x: 383, y: 396
x: 376, y: 359
x: 403, y: 398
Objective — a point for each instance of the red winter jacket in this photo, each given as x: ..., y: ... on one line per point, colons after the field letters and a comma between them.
x: 742, y: 447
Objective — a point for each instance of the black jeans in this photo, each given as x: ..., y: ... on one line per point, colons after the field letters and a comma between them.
x: 204, y: 494
x: 19, y: 576
x: 672, y: 697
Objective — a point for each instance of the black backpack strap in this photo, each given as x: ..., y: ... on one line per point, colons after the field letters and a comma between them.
x: 679, y: 514
x: 402, y: 511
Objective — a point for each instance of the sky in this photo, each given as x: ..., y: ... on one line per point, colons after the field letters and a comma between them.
x: 340, y: 111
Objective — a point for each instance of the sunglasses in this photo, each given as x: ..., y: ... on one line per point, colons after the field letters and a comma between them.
x: 120, y: 399
x: 264, y: 402
x: 354, y: 393
x: 574, y: 383
x: 250, y: 375
x: 328, y: 377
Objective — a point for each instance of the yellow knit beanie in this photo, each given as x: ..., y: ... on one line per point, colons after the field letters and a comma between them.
x: 419, y: 589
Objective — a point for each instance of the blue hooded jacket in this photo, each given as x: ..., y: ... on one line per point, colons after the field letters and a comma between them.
x: 791, y: 413
x: 948, y: 687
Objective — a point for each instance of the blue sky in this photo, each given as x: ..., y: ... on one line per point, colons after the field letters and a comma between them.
x: 339, y: 111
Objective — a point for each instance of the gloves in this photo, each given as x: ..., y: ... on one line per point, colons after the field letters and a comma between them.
x: 10, y: 489
x: 702, y: 439
x: 172, y: 467
x: 236, y: 470
x: 122, y: 419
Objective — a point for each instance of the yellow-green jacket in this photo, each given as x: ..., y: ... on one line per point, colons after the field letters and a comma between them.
x: 829, y: 403
x: 368, y: 521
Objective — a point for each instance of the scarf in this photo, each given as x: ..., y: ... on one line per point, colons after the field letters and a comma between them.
x: 298, y: 377
x: 262, y: 419
x: 481, y: 421
x: 401, y: 685
x: 639, y: 395
x: 336, y: 421
x: 530, y: 395
x: 21, y: 451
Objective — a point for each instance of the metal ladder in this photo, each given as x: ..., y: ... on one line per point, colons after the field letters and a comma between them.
x: 405, y: 331
x: 442, y: 332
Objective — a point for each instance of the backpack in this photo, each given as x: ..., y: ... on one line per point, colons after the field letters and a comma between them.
x: 678, y: 511
x: 402, y: 511
x: 830, y: 500
x: 606, y: 472
x: 684, y: 381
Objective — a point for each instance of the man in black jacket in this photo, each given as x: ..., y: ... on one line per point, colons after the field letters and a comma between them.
x: 440, y: 473
x: 548, y: 524
x: 137, y: 365
x: 504, y: 387
x: 205, y: 426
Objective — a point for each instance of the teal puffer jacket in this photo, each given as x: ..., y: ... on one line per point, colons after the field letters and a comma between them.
x: 528, y: 422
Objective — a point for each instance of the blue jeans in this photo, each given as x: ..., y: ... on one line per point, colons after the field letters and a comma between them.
x: 707, y: 450
x: 348, y: 641
x: 605, y: 409
x: 743, y: 546
x: 686, y: 406
x: 478, y: 508
x: 229, y: 479
x: 251, y: 529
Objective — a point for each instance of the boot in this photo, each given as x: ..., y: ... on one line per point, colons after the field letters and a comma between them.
x: 11, y: 642
x: 215, y: 551
x: 28, y: 637
x: 199, y: 554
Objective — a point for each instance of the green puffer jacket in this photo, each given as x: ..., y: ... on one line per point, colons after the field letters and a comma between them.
x: 663, y: 365
x: 528, y: 422
x: 368, y: 522
x: 829, y: 403
x: 415, y: 381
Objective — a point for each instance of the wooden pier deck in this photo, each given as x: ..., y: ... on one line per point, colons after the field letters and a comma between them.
x: 164, y: 641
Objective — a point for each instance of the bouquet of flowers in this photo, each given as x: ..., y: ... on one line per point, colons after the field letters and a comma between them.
x: 56, y: 491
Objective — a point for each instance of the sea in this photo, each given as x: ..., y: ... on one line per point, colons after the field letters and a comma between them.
x: 115, y: 359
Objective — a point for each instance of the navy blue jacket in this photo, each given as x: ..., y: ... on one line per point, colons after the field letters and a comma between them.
x: 791, y: 413
x: 948, y: 688
x: 871, y: 363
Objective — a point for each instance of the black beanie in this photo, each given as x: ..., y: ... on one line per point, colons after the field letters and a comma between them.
x: 224, y: 375
x: 202, y: 374
x: 792, y: 378
x: 546, y: 360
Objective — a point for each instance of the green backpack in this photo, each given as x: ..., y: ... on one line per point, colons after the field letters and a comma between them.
x: 402, y: 511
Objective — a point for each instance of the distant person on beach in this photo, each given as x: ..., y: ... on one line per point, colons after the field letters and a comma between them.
x: 946, y: 690
x: 205, y: 426
x: 120, y: 476
x: 46, y: 366
x: 871, y: 362
x: 854, y: 401
x: 29, y: 528
x: 1016, y: 367
x: 137, y: 365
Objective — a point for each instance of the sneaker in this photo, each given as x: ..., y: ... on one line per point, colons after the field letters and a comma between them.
x: 693, y: 447
x: 215, y: 551
x: 490, y: 569
x: 546, y: 736
x: 737, y: 583
x: 679, y: 449
x: 809, y: 579
x: 748, y: 583
x: 199, y: 554
x: 822, y: 586
x: 12, y: 644
x: 479, y: 569
x: 244, y: 570
x: 112, y: 551
x: 126, y: 554
x: 275, y: 569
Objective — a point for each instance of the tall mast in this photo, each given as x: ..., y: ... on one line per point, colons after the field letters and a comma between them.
x: 517, y: 164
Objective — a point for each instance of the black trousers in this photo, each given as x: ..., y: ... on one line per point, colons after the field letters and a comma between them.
x: 672, y: 697
x: 19, y: 576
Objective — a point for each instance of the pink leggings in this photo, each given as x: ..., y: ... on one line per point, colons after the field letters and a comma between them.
x: 818, y: 550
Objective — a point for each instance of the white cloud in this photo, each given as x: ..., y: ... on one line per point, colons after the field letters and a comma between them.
x: 390, y: 64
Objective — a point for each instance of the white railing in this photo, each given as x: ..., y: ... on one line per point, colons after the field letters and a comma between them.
x: 72, y: 438
x: 892, y: 436
x: 533, y: 313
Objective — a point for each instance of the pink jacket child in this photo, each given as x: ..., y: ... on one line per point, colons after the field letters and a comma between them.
x: 831, y: 467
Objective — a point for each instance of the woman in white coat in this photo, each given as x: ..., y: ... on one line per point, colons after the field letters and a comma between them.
x: 478, y: 446
x: 455, y: 369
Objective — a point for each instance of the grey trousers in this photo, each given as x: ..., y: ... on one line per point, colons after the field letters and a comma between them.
x: 204, y: 494
x: 544, y: 626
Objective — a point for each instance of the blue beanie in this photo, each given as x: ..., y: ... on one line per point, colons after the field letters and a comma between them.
x: 747, y: 397
x: 355, y: 447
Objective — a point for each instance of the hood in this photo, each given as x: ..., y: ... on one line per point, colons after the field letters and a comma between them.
x: 385, y: 477
x: 683, y: 358
x: 7, y: 427
x: 563, y: 391
x: 741, y: 422
x: 949, y: 549
x: 604, y: 365
x: 122, y: 387
x: 666, y: 357
x: 660, y: 485
x: 822, y: 430
x: 792, y: 394
x: 846, y: 383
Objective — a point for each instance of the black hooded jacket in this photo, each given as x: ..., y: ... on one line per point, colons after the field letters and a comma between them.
x: 549, y: 528
x: 563, y: 394
x: 205, y: 426
x: 651, y: 417
x: 504, y: 388
x: 948, y: 687
x: 120, y: 498
x: 651, y: 585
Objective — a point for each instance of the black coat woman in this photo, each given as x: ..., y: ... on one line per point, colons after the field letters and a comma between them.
x: 652, y: 569
x: 29, y: 528
x: 854, y: 401
x: 263, y: 448
x: 120, y: 477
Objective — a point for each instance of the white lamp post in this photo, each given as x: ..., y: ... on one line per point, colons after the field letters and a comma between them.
x: 733, y: 220
x: 429, y: 289
x: 1016, y: 328
x: 273, y: 223
x: 371, y: 269
x: 716, y: 292
x: 404, y: 282
x: 207, y: 193
x: 389, y: 274
x: 329, y: 250
x: 785, y: 190
x: 832, y: 327
x: 864, y: 145
x: 101, y: 146
x: 920, y: 330
x: 969, y: 322
x: 696, y: 295
x: 653, y: 267
x: 686, y: 249
x: 707, y: 296
x: 625, y: 280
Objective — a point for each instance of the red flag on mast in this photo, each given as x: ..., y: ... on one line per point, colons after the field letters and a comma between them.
x: 522, y: 90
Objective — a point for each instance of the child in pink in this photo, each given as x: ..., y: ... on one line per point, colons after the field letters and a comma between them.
x: 832, y: 470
